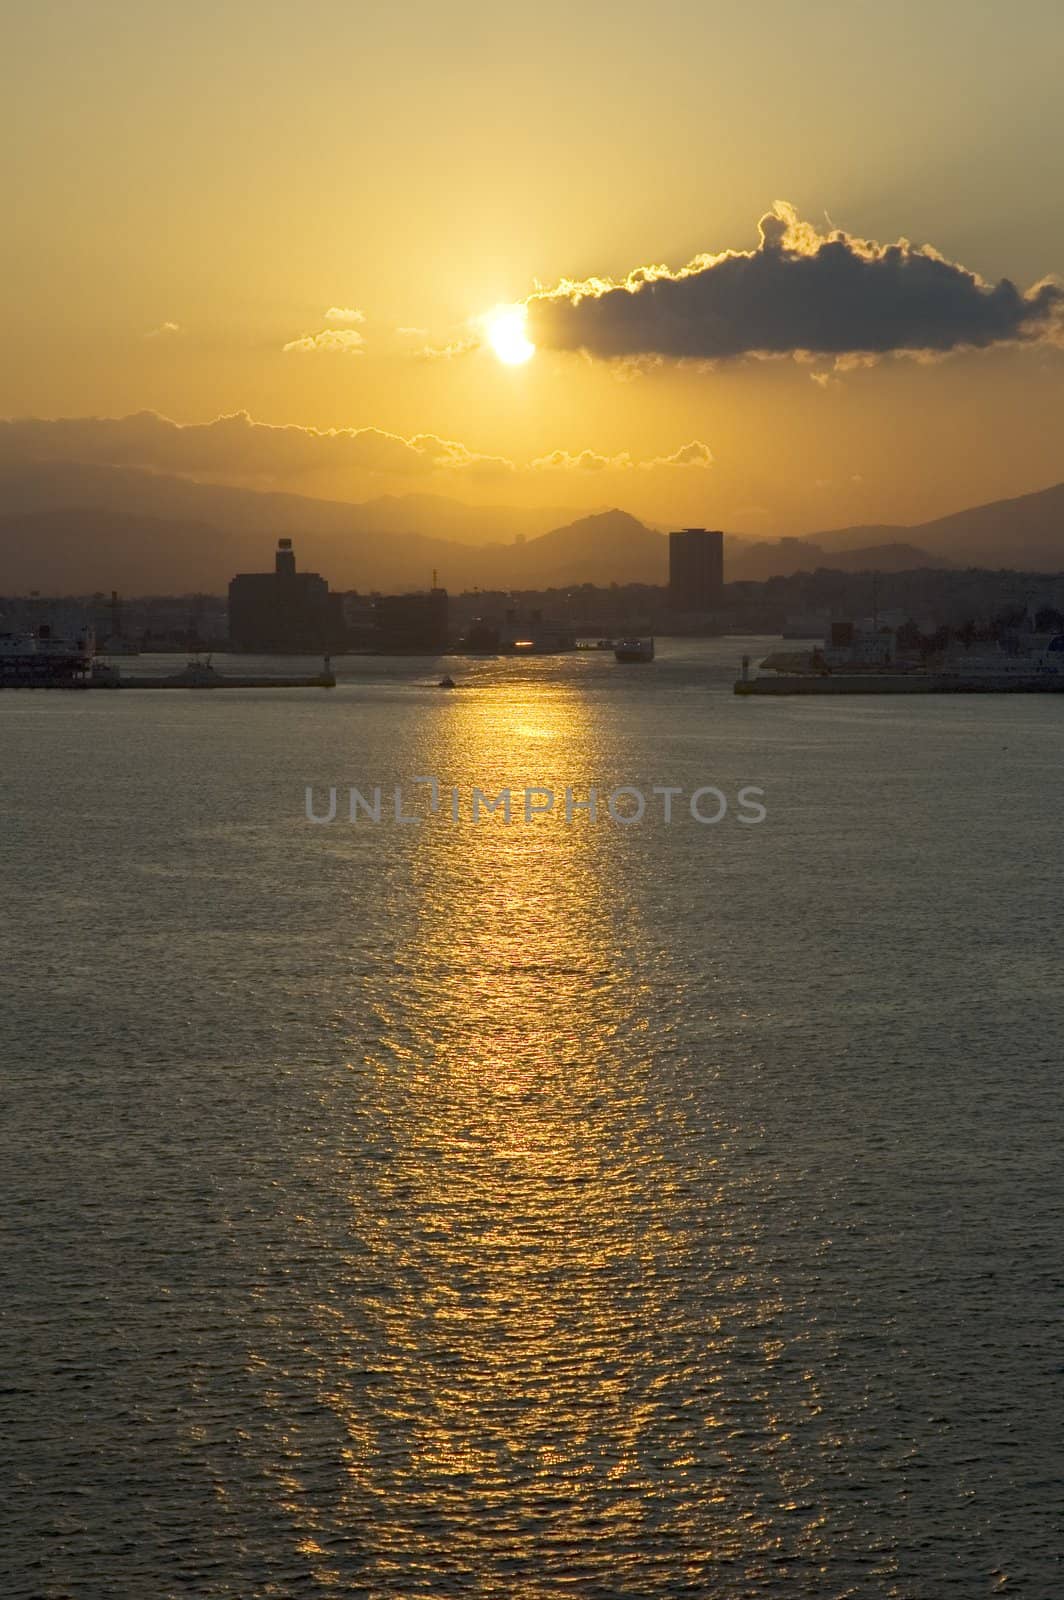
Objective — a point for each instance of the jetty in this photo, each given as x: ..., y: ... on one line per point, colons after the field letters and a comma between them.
x: 203, y: 675
x: 901, y: 683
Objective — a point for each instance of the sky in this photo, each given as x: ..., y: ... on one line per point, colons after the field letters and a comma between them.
x: 298, y: 219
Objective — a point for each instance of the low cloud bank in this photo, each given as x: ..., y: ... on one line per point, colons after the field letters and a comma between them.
x: 238, y: 447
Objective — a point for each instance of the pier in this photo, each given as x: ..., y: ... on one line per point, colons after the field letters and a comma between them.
x: 202, y: 675
x: 901, y: 683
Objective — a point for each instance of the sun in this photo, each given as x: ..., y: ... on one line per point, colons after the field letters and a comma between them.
x: 507, y: 334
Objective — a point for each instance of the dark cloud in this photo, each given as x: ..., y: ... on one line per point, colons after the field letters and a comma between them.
x: 799, y: 291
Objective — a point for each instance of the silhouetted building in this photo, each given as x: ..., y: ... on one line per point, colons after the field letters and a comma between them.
x: 481, y: 638
x: 526, y: 629
x: 521, y: 630
x: 358, y: 612
x: 411, y: 624
x: 283, y: 612
x: 696, y: 570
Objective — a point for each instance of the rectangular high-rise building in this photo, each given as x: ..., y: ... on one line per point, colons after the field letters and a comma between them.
x: 696, y: 569
x: 411, y: 624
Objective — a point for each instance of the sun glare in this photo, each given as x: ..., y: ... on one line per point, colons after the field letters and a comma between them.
x: 507, y: 335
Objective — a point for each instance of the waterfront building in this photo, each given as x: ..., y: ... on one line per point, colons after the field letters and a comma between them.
x: 411, y: 624
x: 696, y: 570
x: 283, y: 612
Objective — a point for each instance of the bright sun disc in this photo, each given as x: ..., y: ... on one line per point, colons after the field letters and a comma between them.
x: 508, y: 337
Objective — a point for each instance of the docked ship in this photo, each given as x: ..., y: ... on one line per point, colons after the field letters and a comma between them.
x: 519, y: 632
x: 43, y: 659
x: 864, y: 659
x: 631, y: 650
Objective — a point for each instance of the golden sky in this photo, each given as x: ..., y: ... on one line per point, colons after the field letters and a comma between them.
x: 304, y: 213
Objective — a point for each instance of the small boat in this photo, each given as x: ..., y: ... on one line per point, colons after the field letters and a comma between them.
x: 634, y: 650
x: 446, y: 682
x: 197, y: 675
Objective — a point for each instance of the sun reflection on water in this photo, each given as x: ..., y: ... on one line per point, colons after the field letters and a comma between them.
x: 507, y: 1347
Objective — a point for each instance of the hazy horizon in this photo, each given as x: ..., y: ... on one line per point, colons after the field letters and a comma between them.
x: 94, y: 442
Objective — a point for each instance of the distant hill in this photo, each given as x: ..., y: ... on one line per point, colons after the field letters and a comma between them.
x: 610, y: 547
x: 81, y: 549
x: 1025, y: 532
x: 75, y: 528
x: 437, y: 516
x: 755, y: 561
x: 898, y: 557
x: 235, y: 510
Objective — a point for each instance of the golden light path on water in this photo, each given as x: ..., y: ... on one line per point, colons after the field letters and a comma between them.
x: 420, y: 1213
x: 513, y: 1364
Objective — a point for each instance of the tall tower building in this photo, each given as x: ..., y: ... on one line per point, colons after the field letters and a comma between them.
x: 696, y: 569
x: 284, y: 562
x: 283, y: 611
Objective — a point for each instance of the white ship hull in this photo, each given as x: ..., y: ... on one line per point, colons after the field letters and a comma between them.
x: 42, y: 660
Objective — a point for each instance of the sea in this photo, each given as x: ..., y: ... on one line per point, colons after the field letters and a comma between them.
x: 568, y: 1204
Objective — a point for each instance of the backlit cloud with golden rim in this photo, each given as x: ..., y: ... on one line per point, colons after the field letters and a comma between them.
x: 448, y: 352
x: 695, y: 454
x: 799, y: 291
x: 330, y: 341
x: 343, y: 314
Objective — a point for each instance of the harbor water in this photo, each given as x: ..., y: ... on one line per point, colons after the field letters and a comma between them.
x: 535, y: 1208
